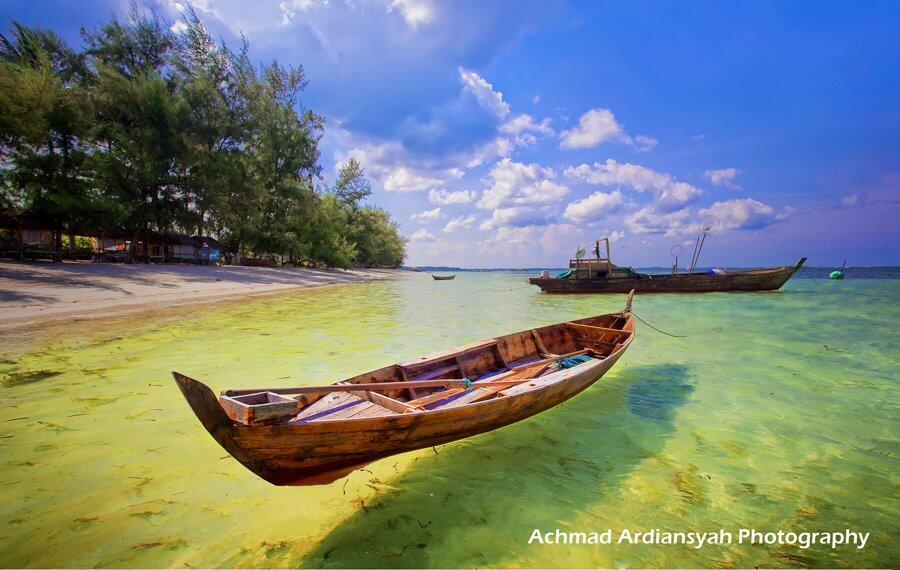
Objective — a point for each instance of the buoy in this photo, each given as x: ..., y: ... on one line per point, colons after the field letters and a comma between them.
x: 839, y: 273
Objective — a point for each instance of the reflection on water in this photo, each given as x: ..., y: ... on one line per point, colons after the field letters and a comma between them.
x: 777, y: 412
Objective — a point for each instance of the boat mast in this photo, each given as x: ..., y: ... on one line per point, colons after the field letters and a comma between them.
x: 706, y: 225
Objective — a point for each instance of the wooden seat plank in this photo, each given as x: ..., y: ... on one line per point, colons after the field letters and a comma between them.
x: 371, y: 411
x: 431, y: 374
x: 423, y: 401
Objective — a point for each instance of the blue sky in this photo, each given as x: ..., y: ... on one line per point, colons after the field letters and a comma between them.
x: 506, y: 134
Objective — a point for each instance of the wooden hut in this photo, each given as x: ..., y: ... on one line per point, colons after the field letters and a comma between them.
x: 184, y: 249
x: 210, y: 252
x: 35, y: 238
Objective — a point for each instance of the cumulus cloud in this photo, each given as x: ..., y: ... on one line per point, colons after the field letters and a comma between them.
x: 650, y: 221
x: 498, y: 147
x: 615, y: 236
x: 594, y: 127
x: 594, y: 206
x: 459, y: 223
x: 422, y: 236
x: 518, y: 184
x: 427, y: 216
x: 670, y: 194
x: 484, y: 93
x: 414, y: 12
x: 644, y: 143
x: 444, y: 197
x: 723, y: 177
x: 406, y: 179
x: 393, y: 168
x: 598, y: 126
x: 744, y: 214
x: 526, y: 123
x: 516, y: 216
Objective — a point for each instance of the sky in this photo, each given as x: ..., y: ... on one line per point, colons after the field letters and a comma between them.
x: 508, y: 134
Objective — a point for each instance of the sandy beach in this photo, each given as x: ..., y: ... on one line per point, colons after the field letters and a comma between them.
x: 40, y: 292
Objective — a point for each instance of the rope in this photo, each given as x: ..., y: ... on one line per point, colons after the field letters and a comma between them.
x: 656, y: 329
x: 811, y: 276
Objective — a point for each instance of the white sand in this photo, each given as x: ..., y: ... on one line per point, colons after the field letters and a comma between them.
x: 39, y: 292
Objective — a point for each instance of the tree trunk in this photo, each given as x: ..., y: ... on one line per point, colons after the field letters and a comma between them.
x: 57, y: 245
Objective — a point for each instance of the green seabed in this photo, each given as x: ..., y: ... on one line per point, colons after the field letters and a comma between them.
x: 779, y: 412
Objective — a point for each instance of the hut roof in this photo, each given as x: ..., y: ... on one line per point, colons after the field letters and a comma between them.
x: 182, y: 239
x: 208, y: 241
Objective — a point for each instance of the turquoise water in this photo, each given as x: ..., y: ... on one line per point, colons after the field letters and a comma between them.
x: 778, y: 411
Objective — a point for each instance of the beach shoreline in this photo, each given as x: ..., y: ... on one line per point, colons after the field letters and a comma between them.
x: 35, y: 294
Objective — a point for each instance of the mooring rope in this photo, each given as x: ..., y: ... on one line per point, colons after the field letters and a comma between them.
x: 812, y: 277
x: 656, y: 329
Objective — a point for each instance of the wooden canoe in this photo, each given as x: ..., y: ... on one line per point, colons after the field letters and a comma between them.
x: 333, y: 430
x: 442, y: 277
x: 765, y: 279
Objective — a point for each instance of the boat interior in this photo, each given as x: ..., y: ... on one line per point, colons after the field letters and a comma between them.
x: 488, y: 369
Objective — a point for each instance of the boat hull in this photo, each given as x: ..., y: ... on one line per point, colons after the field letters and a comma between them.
x: 754, y: 280
x: 321, y: 452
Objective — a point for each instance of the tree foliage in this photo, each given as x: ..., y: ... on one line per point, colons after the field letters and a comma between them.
x: 147, y: 130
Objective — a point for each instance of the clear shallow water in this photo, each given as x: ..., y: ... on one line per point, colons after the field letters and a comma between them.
x: 779, y: 412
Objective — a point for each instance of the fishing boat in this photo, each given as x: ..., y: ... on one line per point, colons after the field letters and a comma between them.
x: 442, y: 277
x: 314, y: 435
x: 600, y: 275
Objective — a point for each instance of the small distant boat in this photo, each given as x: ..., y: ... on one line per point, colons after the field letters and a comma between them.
x: 442, y: 277
x: 315, y: 435
x: 602, y: 276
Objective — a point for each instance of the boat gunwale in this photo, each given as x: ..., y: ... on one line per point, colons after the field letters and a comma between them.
x: 473, y: 405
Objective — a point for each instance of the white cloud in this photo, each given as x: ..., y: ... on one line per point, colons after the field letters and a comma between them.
x: 559, y: 239
x: 536, y: 100
x: 459, y: 223
x: 422, y: 235
x: 594, y: 127
x: 851, y: 200
x: 644, y: 143
x: 670, y: 194
x: 744, y: 214
x: 445, y: 198
x: 650, y: 221
x: 596, y: 205
x: 518, y: 184
x: 524, y: 123
x: 514, y: 236
x: 427, y: 216
x: 406, y: 179
x: 484, y: 93
x: 390, y: 166
x: 723, y: 177
x: 600, y: 125
x: 289, y: 9
x: 616, y: 236
x: 517, y: 216
x: 499, y: 147
x: 699, y: 137
x: 414, y: 12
